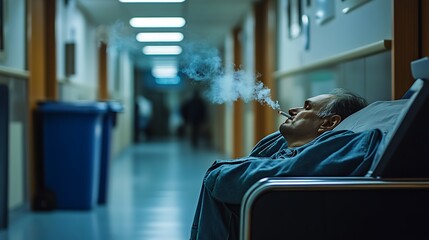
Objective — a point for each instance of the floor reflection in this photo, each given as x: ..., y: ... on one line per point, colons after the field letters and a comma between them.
x: 153, y: 190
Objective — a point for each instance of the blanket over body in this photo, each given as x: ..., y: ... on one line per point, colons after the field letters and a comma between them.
x: 334, y: 153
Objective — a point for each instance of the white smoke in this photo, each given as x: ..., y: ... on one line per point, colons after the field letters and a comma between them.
x: 202, y: 63
x: 122, y: 37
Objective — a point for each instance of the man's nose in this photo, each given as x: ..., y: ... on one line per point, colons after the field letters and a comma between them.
x: 295, y: 111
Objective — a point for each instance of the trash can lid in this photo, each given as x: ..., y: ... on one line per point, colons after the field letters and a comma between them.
x: 115, y: 106
x: 77, y: 106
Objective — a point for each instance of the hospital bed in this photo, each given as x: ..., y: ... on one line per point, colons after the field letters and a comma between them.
x: 390, y: 202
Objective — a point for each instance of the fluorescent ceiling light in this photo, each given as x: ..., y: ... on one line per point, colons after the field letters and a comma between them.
x: 168, y: 81
x: 162, y: 50
x: 160, y: 37
x: 164, y: 61
x: 151, y: 22
x: 164, y: 71
x: 151, y: 1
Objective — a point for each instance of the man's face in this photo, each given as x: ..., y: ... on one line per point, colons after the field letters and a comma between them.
x: 305, y: 123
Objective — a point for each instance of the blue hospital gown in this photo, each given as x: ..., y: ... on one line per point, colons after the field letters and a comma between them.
x: 334, y: 153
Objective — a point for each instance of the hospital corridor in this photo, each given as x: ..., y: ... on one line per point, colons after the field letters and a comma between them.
x: 113, y: 112
x: 153, y: 191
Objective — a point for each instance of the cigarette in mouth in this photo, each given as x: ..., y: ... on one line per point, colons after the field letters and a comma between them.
x: 285, y: 114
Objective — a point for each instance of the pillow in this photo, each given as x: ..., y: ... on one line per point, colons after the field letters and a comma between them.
x: 381, y: 114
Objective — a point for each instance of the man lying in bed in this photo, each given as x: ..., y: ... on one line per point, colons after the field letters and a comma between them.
x: 305, y: 145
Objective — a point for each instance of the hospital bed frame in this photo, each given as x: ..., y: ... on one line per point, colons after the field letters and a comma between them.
x: 390, y: 202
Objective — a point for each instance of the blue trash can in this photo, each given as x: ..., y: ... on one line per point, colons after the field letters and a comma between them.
x: 109, y: 122
x: 71, y: 145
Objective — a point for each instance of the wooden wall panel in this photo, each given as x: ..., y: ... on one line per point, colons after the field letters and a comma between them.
x: 42, y: 70
x: 50, y: 50
x: 102, y: 72
x: 424, y: 28
x: 264, y: 64
x: 405, y: 44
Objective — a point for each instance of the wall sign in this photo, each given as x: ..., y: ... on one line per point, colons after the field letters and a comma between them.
x: 294, y: 12
x: 325, y: 10
x: 349, y: 5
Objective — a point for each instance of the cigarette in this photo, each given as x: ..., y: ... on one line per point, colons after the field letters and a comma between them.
x: 285, y: 114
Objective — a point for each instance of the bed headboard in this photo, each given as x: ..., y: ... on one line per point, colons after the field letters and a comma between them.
x: 405, y: 126
x: 406, y: 153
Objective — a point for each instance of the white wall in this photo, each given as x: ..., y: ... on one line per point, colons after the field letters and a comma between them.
x: 13, y: 59
x: 368, y: 76
x: 73, y: 27
x: 364, y: 25
x: 229, y: 108
x: 14, y: 55
x: 122, y: 133
x: 248, y: 43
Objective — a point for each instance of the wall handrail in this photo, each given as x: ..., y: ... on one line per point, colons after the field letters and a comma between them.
x: 366, y: 50
x: 13, y: 72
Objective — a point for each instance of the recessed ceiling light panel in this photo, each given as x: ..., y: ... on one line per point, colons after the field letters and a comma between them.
x: 153, y: 22
x: 151, y: 1
x: 162, y: 50
x: 160, y: 37
x: 164, y: 71
x: 168, y: 81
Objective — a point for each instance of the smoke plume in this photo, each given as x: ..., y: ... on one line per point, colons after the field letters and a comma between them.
x: 122, y: 37
x: 202, y: 63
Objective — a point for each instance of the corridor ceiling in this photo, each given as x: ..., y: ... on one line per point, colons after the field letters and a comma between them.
x: 207, y: 21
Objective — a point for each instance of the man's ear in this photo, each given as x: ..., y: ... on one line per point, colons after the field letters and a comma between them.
x: 329, y: 123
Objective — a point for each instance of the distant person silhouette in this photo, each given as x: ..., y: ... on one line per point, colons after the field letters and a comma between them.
x: 194, y: 114
x: 145, y: 116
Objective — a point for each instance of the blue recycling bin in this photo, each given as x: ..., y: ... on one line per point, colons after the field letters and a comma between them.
x: 71, y: 146
x: 109, y: 122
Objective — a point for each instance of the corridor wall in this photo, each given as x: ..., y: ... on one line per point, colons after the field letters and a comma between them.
x: 367, y: 74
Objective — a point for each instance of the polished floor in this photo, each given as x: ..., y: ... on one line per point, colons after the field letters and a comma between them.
x: 153, y: 191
